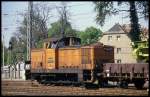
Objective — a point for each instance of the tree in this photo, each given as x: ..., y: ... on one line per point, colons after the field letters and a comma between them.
x: 62, y: 26
x: 5, y: 54
x: 90, y: 35
x: 144, y: 8
x: 40, y: 16
x: 135, y: 29
x: 13, y: 49
x: 104, y: 9
x: 55, y: 30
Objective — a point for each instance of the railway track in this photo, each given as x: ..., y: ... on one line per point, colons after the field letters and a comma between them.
x: 33, y: 88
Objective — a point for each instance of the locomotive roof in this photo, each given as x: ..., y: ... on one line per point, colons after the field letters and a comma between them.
x: 96, y: 45
x: 53, y: 39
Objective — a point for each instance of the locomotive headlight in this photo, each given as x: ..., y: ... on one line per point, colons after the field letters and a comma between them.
x: 27, y: 66
x: 107, y: 74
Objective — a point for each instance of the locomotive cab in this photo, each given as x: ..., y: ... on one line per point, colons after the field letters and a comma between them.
x: 62, y: 42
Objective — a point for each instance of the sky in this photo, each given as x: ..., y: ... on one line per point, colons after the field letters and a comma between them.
x: 82, y: 15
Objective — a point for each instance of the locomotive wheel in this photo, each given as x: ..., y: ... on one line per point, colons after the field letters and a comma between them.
x: 91, y: 86
x: 139, y: 83
x: 103, y: 83
x: 124, y: 84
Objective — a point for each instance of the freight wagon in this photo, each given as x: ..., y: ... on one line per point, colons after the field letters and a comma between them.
x: 125, y: 73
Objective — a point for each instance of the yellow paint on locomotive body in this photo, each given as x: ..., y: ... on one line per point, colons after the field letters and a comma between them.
x: 79, y: 58
x: 69, y: 58
x: 51, y: 58
x: 38, y: 59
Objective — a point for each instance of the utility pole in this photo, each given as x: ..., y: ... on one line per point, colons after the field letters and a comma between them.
x: 29, y: 30
x: 29, y: 35
x: 3, y: 50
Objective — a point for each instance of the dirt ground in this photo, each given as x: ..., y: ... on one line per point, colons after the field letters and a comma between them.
x: 27, y: 88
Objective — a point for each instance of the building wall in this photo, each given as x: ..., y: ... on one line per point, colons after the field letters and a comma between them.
x: 124, y: 43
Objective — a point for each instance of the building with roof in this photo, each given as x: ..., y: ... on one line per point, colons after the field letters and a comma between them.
x: 119, y: 37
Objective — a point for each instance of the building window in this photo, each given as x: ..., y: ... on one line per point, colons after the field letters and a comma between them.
x: 118, y: 37
x: 119, y: 61
x: 109, y: 38
x: 118, y: 50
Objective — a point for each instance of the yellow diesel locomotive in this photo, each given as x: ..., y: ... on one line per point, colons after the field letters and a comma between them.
x: 64, y: 59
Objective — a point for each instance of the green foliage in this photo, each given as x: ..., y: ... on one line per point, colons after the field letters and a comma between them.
x: 5, y: 55
x: 14, y: 50
x: 90, y: 35
x: 140, y: 50
x: 55, y: 30
x: 40, y: 44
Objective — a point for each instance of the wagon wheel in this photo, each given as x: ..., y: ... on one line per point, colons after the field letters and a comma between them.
x: 139, y: 83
